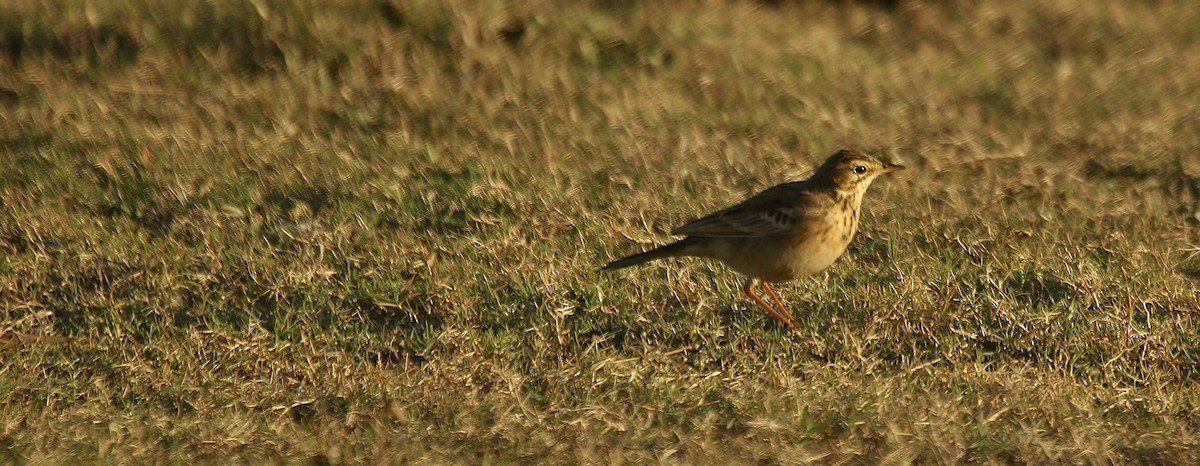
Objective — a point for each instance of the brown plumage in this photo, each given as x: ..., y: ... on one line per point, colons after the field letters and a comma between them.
x: 785, y: 232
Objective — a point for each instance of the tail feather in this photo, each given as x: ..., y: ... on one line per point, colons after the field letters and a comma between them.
x: 676, y: 249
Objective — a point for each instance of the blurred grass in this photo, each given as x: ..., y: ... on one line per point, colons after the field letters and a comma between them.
x: 339, y: 232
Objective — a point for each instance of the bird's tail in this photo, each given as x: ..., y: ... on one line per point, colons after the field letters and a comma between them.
x: 676, y: 249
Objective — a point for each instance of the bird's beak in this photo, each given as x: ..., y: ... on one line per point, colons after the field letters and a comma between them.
x: 893, y: 167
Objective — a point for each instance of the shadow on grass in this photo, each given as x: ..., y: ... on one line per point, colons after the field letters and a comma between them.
x: 407, y: 328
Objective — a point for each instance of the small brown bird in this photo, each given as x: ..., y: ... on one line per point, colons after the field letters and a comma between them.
x: 786, y: 232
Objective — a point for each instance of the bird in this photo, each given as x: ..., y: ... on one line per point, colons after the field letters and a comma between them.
x: 785, y: 232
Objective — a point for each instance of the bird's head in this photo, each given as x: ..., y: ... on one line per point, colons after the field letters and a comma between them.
x: 850, y: 171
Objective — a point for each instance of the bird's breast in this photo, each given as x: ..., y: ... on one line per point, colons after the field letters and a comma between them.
x: 810, y: 254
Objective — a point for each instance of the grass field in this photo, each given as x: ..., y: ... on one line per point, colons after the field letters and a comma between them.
x: 355, y: 232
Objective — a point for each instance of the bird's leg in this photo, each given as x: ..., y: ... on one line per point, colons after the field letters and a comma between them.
x: 779, y: 306
x: 749, y: 290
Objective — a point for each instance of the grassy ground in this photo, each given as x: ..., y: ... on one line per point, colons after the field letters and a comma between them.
x: 338, y: 232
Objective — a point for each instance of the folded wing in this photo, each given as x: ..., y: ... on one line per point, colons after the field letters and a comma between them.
x: 781, y: 209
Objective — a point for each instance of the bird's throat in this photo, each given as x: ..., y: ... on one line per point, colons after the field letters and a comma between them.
x: 846, y: 207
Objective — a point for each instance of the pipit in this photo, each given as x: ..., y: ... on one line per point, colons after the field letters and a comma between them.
x: 786, y: 232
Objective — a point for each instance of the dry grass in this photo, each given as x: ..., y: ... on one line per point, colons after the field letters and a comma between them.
x: 345, y: 232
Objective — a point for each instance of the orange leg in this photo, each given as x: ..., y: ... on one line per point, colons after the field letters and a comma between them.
x: 779, y: 306
x: 749, y: 290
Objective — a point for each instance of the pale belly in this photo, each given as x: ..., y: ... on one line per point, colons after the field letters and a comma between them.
x: 779, y: 258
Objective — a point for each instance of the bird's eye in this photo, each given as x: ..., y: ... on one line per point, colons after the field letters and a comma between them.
x: 860, y: 169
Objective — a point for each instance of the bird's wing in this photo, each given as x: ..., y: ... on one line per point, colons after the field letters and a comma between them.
x: 783, y: 208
